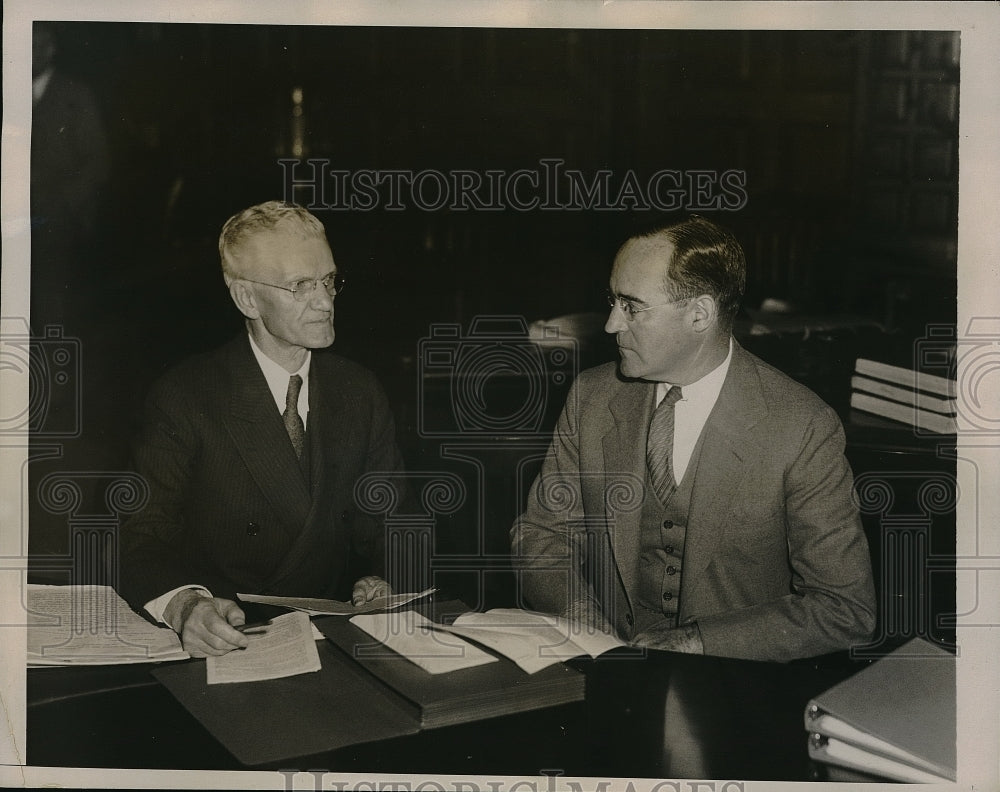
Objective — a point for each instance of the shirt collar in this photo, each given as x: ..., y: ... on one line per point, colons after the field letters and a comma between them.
x: 277, y: 377
x: 705, y: 390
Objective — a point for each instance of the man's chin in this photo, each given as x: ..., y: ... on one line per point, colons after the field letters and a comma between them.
x: 323, y: 342
x: 626, y: 369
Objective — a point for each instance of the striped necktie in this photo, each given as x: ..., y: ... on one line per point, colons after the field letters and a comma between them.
x: 660, y: 445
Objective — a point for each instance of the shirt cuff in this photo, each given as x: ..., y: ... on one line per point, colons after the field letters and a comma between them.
x: 155, y: 607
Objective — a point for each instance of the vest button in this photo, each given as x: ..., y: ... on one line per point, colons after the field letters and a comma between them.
x: 671, y: 570
x: 669, y: 549
x: 252, y: 529
x: 668, y: 524
x: 667, y: 596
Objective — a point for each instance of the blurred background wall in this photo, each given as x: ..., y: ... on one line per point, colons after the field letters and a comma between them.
x: 847, y: 142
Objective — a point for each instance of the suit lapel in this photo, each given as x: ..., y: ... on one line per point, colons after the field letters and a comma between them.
x: 260, y: 438
x: 726, y: 451
x: 625, y: 458
x: 328, y: 429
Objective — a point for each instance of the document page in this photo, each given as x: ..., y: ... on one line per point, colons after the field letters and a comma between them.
x: 532, y: 640
x: 413, y: 636
x: 286, y: 647
x: 92, y: 625
x: 327, y: 607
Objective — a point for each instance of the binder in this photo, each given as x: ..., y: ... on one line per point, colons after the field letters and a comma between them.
x: 468, y: 694
x: 895, y: 718
x: 275, y: 720
x: 946, y: 387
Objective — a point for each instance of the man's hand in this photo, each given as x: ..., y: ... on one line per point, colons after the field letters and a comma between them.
x: 587, y: 615
x: 369, y: 588
x: 686, y: 639
x: 205, y: 624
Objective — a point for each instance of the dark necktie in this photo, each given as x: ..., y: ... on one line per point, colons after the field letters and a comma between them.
x: 293, y: 422
x: 660, y: 444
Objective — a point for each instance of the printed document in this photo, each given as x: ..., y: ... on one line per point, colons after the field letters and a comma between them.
x: 286, y: 647
x: 92, y: 625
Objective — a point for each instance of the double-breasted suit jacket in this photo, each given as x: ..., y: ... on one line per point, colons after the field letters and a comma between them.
x: 776, y: 564
x: 230, y: 505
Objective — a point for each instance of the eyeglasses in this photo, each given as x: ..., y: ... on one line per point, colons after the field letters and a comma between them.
x: 303, y: 289
x: 630, y: 310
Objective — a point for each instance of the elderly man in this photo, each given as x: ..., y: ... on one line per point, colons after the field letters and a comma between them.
x: 695, y: 499
x: 252, y: 452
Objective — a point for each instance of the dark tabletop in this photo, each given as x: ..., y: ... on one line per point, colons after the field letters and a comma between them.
x: 663, y: 715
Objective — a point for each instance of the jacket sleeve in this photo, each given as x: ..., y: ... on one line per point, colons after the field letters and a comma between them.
x: 383, y: 467
x: 152, y: 557
x: 831, y: 604
x: 551, y: 540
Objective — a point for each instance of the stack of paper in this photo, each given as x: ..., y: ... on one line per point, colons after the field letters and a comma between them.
x: 92, y: 625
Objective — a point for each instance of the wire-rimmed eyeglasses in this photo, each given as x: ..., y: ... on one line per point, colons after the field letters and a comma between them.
x: 303, y: 289
x: 630, y: 309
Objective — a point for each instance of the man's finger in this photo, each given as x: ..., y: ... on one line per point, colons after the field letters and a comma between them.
x: 231, y: 612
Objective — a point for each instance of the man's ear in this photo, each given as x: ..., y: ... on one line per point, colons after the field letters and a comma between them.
x: 705, y: 313
x: 244, y: 298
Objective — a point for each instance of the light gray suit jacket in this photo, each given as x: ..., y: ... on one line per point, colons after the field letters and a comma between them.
x: 776, y: 564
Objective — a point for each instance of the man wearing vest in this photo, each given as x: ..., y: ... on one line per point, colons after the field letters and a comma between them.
x: 693, y: 498
x: 252, y: 452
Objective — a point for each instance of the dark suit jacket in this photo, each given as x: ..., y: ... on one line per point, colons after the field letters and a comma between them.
x: 776, y: 565
x: 229, y: 507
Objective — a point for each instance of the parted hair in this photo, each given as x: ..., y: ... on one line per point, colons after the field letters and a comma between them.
x: 706, y: 259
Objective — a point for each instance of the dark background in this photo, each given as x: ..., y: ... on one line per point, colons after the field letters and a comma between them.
x: 848, y: 140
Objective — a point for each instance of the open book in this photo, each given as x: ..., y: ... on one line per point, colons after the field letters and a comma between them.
x: 532, y: 640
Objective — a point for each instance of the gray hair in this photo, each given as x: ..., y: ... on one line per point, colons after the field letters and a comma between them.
x: 264, y: 217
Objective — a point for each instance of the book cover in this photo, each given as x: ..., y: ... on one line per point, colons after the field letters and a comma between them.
x: 468, y: 694
x: 904, y: 413
x: 908, y: 378
x: 901, y: 709
x: 906, y: 396
x: 277, y: 720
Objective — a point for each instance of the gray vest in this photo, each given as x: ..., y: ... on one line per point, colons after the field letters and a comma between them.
x: 662, y: 531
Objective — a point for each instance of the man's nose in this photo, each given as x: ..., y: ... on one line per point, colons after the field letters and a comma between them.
x: 616, y: 321
x: 321, y: 299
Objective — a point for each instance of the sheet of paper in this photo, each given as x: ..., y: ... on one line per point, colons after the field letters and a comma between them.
x: 92, y: 625
x: 413, y: 636
x: 327, y: 607
x: 532, y: 640
x: 286, y: 648
x: 523, y: 650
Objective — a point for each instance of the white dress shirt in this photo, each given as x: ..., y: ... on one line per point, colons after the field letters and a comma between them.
x: 691, y: 412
